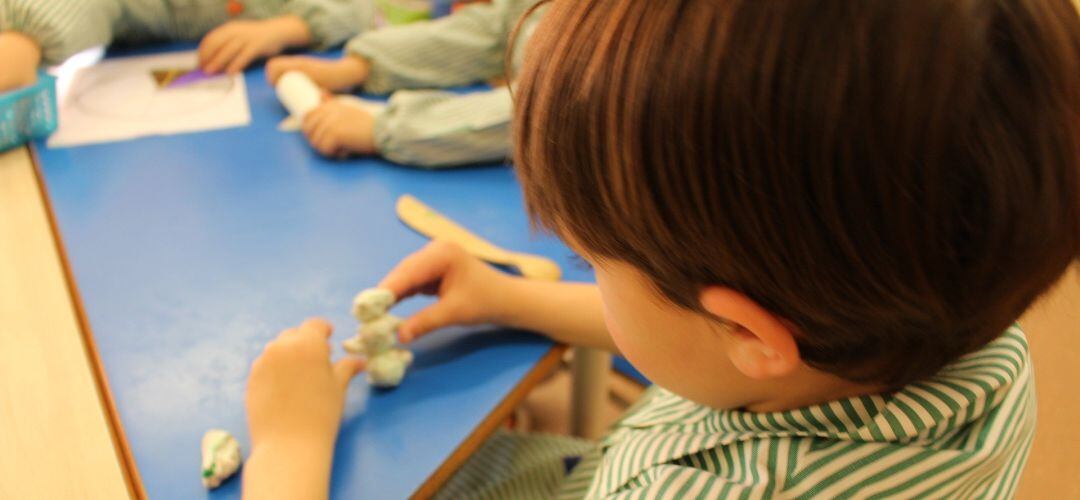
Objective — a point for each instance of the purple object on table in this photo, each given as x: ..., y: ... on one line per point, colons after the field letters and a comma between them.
x: 188, y: 78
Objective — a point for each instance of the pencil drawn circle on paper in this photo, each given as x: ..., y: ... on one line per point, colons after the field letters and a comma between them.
x: 135, y: 96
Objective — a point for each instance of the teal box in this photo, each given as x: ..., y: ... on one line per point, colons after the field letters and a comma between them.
x: 28, y: 113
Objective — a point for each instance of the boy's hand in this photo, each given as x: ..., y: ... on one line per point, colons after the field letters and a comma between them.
x: 234, y: 45
x: 337, y: 129
x: 19, y: 59
x: 295, y: 396
x: 470, y: 292
x: 294, y: 402
x: 339, y: 75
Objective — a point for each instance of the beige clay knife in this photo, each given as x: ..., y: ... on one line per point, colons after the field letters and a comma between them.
x: 426, y: 221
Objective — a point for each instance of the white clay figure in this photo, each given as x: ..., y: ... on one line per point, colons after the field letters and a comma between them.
x: 380, y: 335
x: 220, y: 457
x: 371, y: 304
x: 377, y: 336
x: 388, y: 368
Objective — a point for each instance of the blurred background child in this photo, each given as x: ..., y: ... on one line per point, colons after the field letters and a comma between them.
x: 426, y: 128
x: 234, y: 33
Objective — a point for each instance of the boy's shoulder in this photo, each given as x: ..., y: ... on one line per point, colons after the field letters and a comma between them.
x: 965, y: 431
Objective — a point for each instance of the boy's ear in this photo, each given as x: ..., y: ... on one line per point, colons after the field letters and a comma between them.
x: 763, y: 346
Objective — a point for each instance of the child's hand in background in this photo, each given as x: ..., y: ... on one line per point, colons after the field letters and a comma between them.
x: 337, y: 129
x: 294, y: 402
x: 234, y: 45
x: 19, y: 59
x: 340, y: 75
x: 470, y: 292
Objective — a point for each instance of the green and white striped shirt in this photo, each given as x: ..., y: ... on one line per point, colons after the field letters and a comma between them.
x: 961, y: 434
x: 65, y: 27
x: 426, y: 127
x: 421, y: 126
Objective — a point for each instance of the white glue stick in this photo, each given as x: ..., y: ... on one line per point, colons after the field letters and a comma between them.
x: 298, y: 94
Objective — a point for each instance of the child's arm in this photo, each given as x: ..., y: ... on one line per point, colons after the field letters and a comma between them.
x: 434, y: 129
x: 332, y: 21
x: 465, y: 47
x: 319, y: 24
x: 295, y: 397
x: 428, y: 129
x: 234, y: 45
x: 59, y: 28
x: 471, y: 292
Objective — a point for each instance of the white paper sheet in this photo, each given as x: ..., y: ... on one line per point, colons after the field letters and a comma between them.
x: 118, y: 99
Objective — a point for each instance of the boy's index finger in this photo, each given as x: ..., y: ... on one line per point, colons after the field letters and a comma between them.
x: 413, y: 273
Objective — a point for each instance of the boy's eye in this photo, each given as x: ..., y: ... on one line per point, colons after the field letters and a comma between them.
x: 580, y: 262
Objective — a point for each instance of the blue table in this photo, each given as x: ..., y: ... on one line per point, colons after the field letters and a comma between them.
x: 190, y: 252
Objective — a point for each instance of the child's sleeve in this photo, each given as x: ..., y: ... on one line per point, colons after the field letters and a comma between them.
x: 434, y: 129
x: 332, y: 21
x: 62, y: 28
x: 462, y: 48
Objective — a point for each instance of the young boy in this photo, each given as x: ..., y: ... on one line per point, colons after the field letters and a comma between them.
x: 237, y: 32
x: 424, y: 128
x: 813, y: 225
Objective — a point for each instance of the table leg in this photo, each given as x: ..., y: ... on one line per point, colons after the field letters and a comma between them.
x: 590, y: 368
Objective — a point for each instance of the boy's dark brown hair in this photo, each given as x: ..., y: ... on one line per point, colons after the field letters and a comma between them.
x: 898, y: 179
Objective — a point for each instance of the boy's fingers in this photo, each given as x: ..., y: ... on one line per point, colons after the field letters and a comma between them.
x: 323, y: 133
x: 342, y: 153
x: 244, y: 59
x: 428, y: 319
x: 273, y: 68
x: 286, y: 333
x: 346, y: 368
x: 315, y: 139
x: 210, y: 44
x: 316, y: 327
x: 327, y: 146
x: 311, y: 122
x: 415, y: 272
x: 221, y: 58
x: 276, y: 67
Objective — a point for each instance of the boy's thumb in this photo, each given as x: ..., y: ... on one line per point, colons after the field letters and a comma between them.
x: 346, y: 368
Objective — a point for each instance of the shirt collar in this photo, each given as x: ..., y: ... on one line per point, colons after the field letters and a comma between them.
x: 960, y: 393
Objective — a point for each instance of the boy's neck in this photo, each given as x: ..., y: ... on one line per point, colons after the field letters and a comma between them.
x: 807, y: 387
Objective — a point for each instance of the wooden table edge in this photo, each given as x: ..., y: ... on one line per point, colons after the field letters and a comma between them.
x: 547, y: 364
x: 116, y: 427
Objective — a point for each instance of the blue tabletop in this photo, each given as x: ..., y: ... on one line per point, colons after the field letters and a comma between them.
x: 190, y: 252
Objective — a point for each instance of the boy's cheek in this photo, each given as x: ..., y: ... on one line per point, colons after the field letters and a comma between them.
x: 633, y: 331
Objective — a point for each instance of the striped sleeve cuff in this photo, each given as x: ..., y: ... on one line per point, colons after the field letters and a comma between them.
x: 380, y: 79
x: 332, y: 21
x: 436, y: 129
